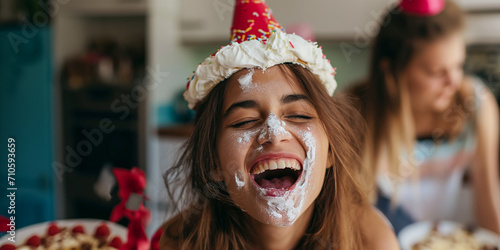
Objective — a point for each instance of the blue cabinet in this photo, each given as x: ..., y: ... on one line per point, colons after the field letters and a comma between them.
x: 27, y: 115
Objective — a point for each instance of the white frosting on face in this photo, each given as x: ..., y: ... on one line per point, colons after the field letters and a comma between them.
x: 239, y: 183
x: 275, y: 126
x: 291, y: 205
x: 278, y: 49
x: 246, y: 81
x: 272, y: 126
x: 287, y: 208
x: 246, y: 136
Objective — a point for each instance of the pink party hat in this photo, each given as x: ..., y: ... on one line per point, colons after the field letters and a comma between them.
x: 422, y: 7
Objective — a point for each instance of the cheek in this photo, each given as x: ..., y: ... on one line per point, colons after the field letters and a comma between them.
x: 457, y: 78
x: 316, y: 144
x: 420, y: 84
x: 317, y: 171
x: 322, y: 157
x: 322, y: 146
x: 232, y: 149
x: 424, y: 87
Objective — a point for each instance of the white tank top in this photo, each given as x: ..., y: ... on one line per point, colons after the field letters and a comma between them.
x: 439, y: 193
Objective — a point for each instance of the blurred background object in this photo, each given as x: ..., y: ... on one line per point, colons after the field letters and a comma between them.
x: 68, y: 67
x: 27, y: 105
x: 64, y: 64
x: 8, y: 10
x: 101, y: 56
x: 483, y: 60
x: 305, y: 30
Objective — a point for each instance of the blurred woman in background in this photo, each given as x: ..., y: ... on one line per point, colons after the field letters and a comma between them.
x: 428, y: 125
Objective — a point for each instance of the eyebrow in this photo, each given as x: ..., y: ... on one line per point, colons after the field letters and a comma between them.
x: 293, y: 98
x: 248, y: 104
x: 244, y: 104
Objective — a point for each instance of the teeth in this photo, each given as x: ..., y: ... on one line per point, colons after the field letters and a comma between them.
x: 275, y: 164
x: 263, y: 167
x: 281, y: 164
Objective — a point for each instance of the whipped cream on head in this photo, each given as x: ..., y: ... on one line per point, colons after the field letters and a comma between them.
x: 278, y: 49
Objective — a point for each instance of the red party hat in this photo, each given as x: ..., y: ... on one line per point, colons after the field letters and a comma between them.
x: 252, y: 20
x: 422, y: 7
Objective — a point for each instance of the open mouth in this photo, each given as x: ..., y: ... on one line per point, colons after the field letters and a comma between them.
x: 276, y: 173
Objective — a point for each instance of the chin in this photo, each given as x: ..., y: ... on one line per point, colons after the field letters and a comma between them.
x: 282, y: 221
x: 442, y: 105
x: 274, y: 217
x: 279, y: 211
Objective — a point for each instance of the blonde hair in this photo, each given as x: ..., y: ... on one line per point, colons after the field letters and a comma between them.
x: 384, y: 99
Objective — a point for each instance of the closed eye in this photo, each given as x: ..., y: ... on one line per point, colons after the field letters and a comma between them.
x: 304, y: 117
x: 240, y: 124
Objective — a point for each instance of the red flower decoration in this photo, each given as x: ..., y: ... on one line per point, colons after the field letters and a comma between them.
x: 131, y: 185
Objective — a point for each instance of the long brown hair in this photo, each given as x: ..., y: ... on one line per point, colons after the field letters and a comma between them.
x: 384, y: 100
x: 209, y: 219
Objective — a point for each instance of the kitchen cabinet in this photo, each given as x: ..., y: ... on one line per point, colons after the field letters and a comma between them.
x: 26, y: 105
x: 100, y: 59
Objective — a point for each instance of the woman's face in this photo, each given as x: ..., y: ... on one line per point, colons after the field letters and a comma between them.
x: 272, y: 146
x: 435, y: 73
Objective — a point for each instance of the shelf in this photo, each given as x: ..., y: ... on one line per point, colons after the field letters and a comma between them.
x: 183, y: 131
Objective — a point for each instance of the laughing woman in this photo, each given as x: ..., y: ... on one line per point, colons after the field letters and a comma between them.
x: 273, y: 160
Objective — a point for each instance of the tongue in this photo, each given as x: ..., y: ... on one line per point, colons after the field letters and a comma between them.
x: 277, y: 183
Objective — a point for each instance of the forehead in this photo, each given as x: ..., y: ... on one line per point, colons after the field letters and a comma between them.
x: 261, y: 84
x: 447, y: 49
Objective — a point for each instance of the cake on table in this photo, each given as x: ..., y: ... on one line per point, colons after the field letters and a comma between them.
x: 70, y: 238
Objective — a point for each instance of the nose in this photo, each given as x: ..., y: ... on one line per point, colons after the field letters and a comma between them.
x: 273, y: 131
x: 454, y: 78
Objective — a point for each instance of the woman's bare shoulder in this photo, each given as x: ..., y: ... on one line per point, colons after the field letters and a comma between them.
x: 376, y: 231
